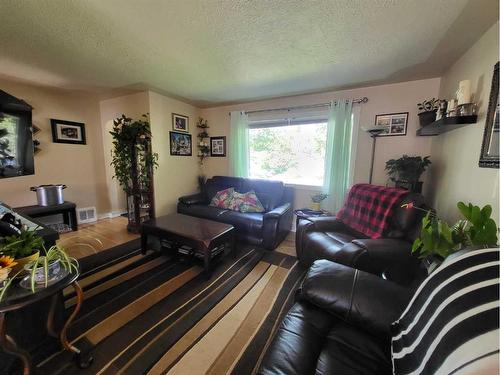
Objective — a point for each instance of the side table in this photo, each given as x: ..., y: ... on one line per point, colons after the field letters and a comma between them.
x: 18, y: 298
x: 304, y: 213
x: 67, y: 209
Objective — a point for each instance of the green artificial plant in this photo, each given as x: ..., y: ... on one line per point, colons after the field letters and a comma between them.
x: 477, y: 229
x: 130, y: 138
x: 53, y: 254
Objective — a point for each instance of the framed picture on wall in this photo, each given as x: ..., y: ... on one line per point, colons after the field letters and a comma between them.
x: 180, y: 144
x: 68, y: 132
x: 180, y: 123
x: 392, y: 123
x: 218, y: 146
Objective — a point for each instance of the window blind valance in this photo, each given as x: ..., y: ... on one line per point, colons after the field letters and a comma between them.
x: 288, y: 117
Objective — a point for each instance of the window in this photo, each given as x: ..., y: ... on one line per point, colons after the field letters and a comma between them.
x: 294, y: 154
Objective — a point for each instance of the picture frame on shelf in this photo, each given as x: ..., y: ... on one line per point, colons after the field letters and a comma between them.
x: 68, y: 132
x: 180, y: 123
x: 180, y: 144
x: 217, y: 146
x: 394, y: 124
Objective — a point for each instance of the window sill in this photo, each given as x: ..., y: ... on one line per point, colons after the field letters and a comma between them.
x: 305, y: 187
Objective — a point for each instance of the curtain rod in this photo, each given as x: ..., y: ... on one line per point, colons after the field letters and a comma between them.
x: 360, y: 100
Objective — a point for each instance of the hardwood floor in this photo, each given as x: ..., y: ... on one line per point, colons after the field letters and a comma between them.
x: 92, y: 238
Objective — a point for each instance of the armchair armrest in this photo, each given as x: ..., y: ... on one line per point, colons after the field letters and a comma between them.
x: 192, y: 199
x: 388, y: 255
x: 357, y: 297
x: 324, y: 223
x: 276, y: 225
x: 278, y: 211
x: 314, y: 224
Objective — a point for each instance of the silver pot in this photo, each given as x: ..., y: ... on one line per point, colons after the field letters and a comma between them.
x: 49, y: 195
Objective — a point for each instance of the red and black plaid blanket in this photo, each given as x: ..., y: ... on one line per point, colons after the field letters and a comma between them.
x: 368, y: 208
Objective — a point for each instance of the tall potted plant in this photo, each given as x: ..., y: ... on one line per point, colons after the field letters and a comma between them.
x: 134, y: 161
x: 406, y: 171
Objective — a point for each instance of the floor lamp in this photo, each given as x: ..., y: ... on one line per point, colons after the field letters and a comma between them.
x: 374, y: 132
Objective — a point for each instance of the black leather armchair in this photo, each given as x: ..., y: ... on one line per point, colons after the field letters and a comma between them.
x: 340, y: 324
x: 391, y: 257
x: 265, y: 229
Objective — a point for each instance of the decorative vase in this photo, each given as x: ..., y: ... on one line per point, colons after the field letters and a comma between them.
x: 316, y: 206
x: 21, y: 262
x: 53, y: 269
x: 427, y: 117
x: 415, y: 187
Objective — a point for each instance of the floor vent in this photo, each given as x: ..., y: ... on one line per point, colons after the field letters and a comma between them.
x: 86, y: 215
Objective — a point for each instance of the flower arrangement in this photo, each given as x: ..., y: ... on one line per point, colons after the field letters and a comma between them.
x: 6, y: 264
x: 317, y: 199
x: 17, y: 255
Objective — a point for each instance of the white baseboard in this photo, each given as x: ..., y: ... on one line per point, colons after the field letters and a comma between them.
x: 111, y: 215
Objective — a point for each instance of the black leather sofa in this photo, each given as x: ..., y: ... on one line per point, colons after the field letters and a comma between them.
x: 339, y: 324
x: 390, y: 257
x: 266, y: 229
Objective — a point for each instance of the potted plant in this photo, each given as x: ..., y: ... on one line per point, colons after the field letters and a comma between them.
x: 316, y: 201
x: 406, y: 171
x: 49, y: 266
x: 427, y: 111
x: 44, y: 269
x: 134, y: 162
x: 24, y: 248
x: 438, y: 240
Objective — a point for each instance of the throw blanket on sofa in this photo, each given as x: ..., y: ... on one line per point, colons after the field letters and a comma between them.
x: 369, y: 208
x: 451, y: 324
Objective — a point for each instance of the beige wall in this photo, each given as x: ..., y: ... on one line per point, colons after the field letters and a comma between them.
x: 176, y: 175
x: 81, y: 167
x: 455, y: 174
x: 133, y: 106
x: 401, y: 97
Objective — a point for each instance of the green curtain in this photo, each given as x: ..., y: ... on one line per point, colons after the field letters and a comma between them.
x: 338, y: 154
x: 238, y: 143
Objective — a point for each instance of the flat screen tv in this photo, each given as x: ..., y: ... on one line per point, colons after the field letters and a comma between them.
x: 16, y: 137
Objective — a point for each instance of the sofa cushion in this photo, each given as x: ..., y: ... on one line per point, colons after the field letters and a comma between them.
x: 245, y: 222
x: 298, y: 342
x: 202, y: 210
x: 270, y: 193
x: 348, y: 350
x: 310, y: 340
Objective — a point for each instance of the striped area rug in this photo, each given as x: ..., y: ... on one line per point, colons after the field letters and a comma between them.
x: 153, y: 315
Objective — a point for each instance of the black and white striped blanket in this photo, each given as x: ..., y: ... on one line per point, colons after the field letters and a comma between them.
x: 451, y: 325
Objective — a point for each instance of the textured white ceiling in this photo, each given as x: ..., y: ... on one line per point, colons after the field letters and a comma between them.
x: 220, y: 51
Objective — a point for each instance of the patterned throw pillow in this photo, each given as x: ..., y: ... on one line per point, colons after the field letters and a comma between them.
x: 246, y: 202
x: 223, y: 198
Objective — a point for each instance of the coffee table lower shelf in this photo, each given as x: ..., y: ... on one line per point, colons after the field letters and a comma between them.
x: 204, y: 237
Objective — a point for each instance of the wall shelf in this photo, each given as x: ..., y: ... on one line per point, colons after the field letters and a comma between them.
x: 445, y: 125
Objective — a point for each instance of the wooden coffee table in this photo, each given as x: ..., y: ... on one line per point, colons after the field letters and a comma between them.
x: 202, y: 235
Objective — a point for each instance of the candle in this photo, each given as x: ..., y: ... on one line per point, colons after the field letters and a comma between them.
x: 463, y: 93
